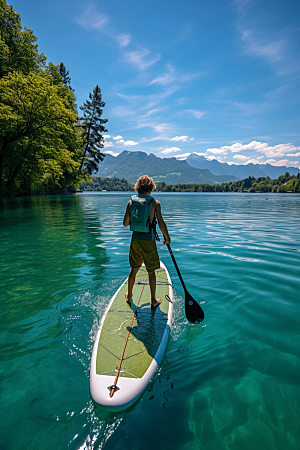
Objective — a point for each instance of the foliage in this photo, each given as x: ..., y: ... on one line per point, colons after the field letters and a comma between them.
x: 93, y: 127
x: 18, y: 50
x: 42, y: 142
x: 107, y: 184
x: 38, y: 137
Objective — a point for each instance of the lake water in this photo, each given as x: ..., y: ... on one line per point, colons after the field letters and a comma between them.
x: 232, y: 382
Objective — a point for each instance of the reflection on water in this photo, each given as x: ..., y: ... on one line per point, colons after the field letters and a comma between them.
x: 234, y: 386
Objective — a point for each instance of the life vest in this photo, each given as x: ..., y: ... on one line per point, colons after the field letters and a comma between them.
x: 140, y: 208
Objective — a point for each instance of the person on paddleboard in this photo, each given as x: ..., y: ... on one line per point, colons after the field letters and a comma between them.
x: 141, y: 213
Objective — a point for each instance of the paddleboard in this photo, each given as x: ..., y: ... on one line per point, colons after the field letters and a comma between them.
x: 146, y: 344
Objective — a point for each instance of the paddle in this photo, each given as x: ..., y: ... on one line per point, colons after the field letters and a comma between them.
x: 194, y: 312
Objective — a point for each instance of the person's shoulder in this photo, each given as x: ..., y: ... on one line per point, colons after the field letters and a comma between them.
x: 157, y: 205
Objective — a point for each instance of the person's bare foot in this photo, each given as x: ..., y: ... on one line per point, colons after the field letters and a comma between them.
x: 156, y: 302
x: 128, y: 301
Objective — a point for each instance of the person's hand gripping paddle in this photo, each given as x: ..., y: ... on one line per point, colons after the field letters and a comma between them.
x: 194, y: 312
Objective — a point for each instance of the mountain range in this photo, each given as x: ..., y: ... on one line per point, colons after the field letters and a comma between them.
x: 238, y: 170
x: 194, y: 170
x: 131, y: 165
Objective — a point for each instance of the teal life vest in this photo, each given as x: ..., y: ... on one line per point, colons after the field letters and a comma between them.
x: 140, y: 208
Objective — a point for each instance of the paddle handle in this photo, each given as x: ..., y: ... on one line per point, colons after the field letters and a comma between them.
x: 176, y: 267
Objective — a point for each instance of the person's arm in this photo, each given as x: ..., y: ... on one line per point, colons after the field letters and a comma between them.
x: 161, y: 223
x: 126, y: 220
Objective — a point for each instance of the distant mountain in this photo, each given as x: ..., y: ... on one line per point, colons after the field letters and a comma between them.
x: 238, y: 170
x: 131, y: 165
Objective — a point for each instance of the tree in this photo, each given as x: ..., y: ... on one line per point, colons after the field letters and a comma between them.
x: 60, y: 77
x: 39, y: 140
x: 66, y: 79
x: 93, y: 127
x: 18, y: 50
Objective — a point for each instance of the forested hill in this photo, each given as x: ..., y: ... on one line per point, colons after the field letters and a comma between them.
x: 132, y: 165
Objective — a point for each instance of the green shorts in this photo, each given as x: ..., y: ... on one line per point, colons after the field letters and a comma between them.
x: 144, y: 251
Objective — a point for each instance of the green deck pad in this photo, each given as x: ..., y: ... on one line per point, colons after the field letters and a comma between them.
x: 147, y: 329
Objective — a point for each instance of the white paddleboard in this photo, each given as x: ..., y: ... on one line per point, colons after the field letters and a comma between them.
x: 146, y: 344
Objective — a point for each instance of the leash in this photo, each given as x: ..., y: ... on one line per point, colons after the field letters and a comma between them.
x: 114, y: 387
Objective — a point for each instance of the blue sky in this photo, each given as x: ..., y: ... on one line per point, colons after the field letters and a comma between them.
x: 219, y: 78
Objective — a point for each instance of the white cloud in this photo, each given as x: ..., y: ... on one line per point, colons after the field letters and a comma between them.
x: 241, y: 157
x: 92, y: 19
x: 117, y: 138
x: 173, y: 76
x: 121, y: 141
x: 166, y: 78
x: 109, y: 152
x: 141, y: 58
x: 195, y: 113
x: 171, y: 150
x: 254, y: 161
x: 108, y: 144
x: 293, y: 154
x: 106, y: 136
x: 130, y: 143
x: 260, y: 147
x: 262, y: 38
x: 217, y: 151
x: 124, y: 40
x: 180, y: 138
x: 282, y: 162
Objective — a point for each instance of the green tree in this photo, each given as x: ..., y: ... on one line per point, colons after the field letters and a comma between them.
x: 18, y: 48
x: 60, y: 77
x: 93, y: 127
x: 37, y: 131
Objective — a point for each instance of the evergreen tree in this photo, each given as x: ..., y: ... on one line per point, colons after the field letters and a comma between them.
x: 60, y: 77
x: 66, y: 79
x: 93, y: 127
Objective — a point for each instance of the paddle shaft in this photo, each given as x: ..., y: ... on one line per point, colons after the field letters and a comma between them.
x: 176, y: 267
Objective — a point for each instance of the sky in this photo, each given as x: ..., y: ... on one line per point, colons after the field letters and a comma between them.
x: 219, y: 78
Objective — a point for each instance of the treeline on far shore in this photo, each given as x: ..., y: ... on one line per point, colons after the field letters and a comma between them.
x: 106, y: 184
x: 285, y: 183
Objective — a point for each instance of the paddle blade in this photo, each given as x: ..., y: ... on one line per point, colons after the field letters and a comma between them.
x: 194, y: 312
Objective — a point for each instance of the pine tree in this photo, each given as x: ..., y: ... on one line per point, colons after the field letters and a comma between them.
x: 65, y: 76
x: 93, y: 127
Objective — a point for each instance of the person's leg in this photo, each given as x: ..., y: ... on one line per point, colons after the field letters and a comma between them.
x: 152, y: 283
x: 131, y: 280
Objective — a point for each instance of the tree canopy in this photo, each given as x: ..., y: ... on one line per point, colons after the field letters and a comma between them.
x: 43, y: 142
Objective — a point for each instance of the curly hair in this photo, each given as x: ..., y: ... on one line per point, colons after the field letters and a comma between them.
x: 144, y: 184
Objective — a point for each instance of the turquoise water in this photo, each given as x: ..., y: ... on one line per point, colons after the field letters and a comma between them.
x: 230, y: 383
